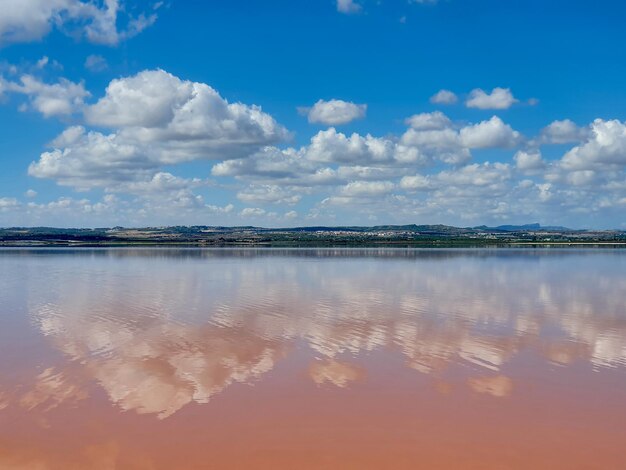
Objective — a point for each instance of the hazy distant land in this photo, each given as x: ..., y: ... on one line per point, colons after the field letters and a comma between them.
x: 381, y: 235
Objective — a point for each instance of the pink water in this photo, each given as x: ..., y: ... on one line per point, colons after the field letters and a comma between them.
x: 321, y: 359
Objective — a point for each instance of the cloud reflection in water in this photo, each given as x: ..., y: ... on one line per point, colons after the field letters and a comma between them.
x: 157, y: 333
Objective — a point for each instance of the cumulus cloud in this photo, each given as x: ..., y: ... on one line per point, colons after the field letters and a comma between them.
x: 444, y: 97
x: 485, y: 174
x: 79, y: 210
x: 138, y: 204
x: 271, y: 164
x: 416, y: 183
x: 160, y: 183
x: 529, y: 160
x: 450, y: 189
x: 366, y: 188
x: 252, y: 212
x: 293, y: 167
x: 156, y: 106
x: 56, y: 99
x: 563, y: 132
x: 436, y: 144
x: 592, y: 174
x: 24, y: 20
x: 367, y: 168
x: 499, y: 98
x: 367, y: 173
x: 157, y: 119
x: 348, y: 6
x: 604, y: 148
x: 93, y: 159
x: 155, y: 99
x: 358, y: 193
x: 430, y: 137
x: 264, y: 194
x: 434, y: 133
x: 8, y: 203
x: 489, y: 134
x: 333, y: 146
x: 429, y: 121
x: 334, y: 112
x: 146, y: 123
x: 31, y: 20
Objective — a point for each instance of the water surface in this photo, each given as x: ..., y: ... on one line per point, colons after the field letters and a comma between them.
x: 321, y: 358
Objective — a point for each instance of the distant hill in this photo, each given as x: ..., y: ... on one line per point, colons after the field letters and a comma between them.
x: 378, y: 235
x: 527, y: 227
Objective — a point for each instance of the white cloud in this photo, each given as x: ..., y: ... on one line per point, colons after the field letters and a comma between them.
x: 56, y: 99
x: 563, y: 132
x: 333, y: 146
x: 529, y: 160
x: 80, y: 211
x: 437, y: 144
x: 31, y: 20
x: 444, y: 97
x: 252, y: 212
x: 154, y: 120
x: 270, y: 163
x: 41, y: 63
x: 348, y: 6
x: 416, y: 183
x: 499, y: 98
x: 68, y: 137
x: 334, y: 112
x: 30, y: 193
x: 489, y: 134
x: 264, y: 194
x: 366, y: 188
x: 93, y: 159
x: 149, y: 99
x: 160, y: 183
x: 24, y: 20
x: 8, y: 204
x: 330, y: 146
x: 171, y: 207
x: 434, y: 135
x: 582, y: 177
x: 604, y: 148
x: 196, y: 122
x: 158, y: 119
x: 485, y: 174
x: 367, y: 173
x: 360, y: 193
x: 96, y: 63
x: 429, y: 121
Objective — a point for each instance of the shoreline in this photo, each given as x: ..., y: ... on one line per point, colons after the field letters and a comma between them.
x: 321, y: 244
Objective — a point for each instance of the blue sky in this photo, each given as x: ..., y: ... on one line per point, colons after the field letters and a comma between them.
x: 288, y: 113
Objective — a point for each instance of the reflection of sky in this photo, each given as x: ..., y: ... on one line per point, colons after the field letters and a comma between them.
x: 159, y: 332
